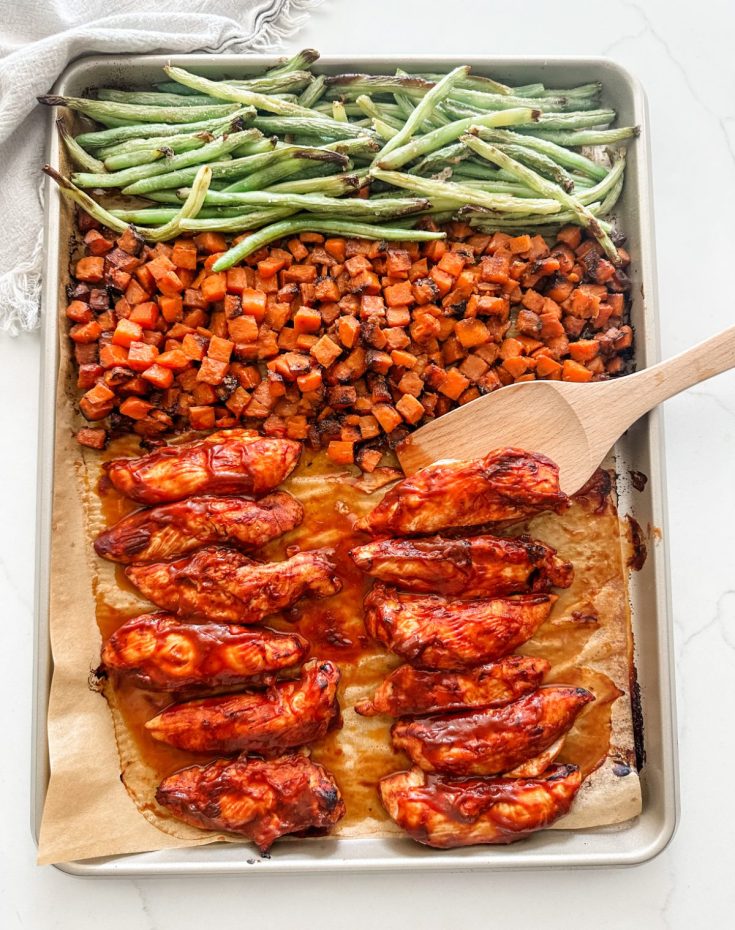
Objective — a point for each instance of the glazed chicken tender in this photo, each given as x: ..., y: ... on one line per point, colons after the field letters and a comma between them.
x: 235, y: 461
x: 259, y: 799
x: 223, y: 584
x: 171, y: 530
x: 505, y: 486
x: 285, y: 715
x: 159, y: 652
x: 449, y: 812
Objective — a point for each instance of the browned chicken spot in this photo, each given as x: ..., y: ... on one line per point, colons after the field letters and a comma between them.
x: 408, y: 691
x: 223, y: 584
x: 235, y: 461
x: 493, y: 740
x: 259, y: 799
x: 287, y: 714
x: 505, y: 486
x: 450, y: 812
x: 161, y: 653
x: 174, y: 529
x: 479, y: 566
x: 430, y: 631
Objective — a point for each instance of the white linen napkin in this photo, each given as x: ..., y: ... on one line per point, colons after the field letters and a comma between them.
x: 38, y: 38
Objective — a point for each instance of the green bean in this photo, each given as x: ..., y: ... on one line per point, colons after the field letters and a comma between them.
x: 478, y: 82
x: 332, y: 186
x: 263, y: 85
x: 500, y: 187
x: 312, y: 92
x: 77, y: 154
x: 589, y: 136
x: 385, y: 131
x: 572, y: 120
x: 529, y: 223
x: 310, y: 126
x: 288, y: 168
x: 171, y: 87
x: 144, y: 155
x: 560, y: 155
x: 243, y: 222
x: 351, y: 86
x: 102, y: 110
x: 480, y: 171
x: 575, y: 120
x: 581, y: 91
x: 338, y: 112
x: 315, y: 224
x: 82, y: 199
x: 151, y: 98
x: 441, y: 159
x: 284, y: 86
x: 155, y: 216
x: 461, y: 195
x: 541, y: 163
x: 300, y: 61
x: 506, y: 102
x: 446, y: 134
x: 210, y: 152
x: 584, y: 217
x: 170, y: 197
x: 315, y: 203
x: 529, y: 90
x: 107, y: 137
x: 233, y: 168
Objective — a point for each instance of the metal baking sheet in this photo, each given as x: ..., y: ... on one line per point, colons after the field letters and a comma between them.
x: 640, y: 449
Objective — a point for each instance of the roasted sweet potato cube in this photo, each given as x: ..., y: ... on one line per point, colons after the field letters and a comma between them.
x: 410, y: 408
x: 454, y: 384
x: 212, y: 371
x: 326, y: 351
x: 91, y: 268
x: 471, y: 333
x: 220, y: 349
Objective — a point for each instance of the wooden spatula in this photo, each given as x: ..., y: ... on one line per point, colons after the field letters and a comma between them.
x: 575, y: 425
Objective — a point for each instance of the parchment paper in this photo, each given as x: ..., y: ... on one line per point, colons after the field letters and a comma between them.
x: 88, y: 812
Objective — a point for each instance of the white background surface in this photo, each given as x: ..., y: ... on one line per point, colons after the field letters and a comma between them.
x: 683, y: 54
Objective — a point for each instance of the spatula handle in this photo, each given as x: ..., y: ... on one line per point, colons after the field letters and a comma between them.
x: 648, y: 388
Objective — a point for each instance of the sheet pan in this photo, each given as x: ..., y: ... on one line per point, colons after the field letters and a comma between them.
x: 641, y: 449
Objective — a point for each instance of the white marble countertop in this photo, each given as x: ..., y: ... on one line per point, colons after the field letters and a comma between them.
x: 683, y: 55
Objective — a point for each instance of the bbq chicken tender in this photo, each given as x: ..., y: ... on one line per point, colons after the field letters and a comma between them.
x: 234, y: 461
x: 223, y: 584
x: 408, y: 691
x: 287, y: 714
x: 493, y: 740
x: 434, y: 632
x: 161, y: 653
x: 174, y: 529
x: 505, y: 486
x: 479, y: 566
x: 259, y: 799
x: 449, y: 812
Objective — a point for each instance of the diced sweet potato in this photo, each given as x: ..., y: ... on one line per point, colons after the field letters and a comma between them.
x: 92, y: 437
x: 454, y: 384
x: 410, y: 408
x: 326, y: 351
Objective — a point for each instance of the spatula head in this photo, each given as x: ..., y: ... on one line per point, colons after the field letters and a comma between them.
x: 539, y: 416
